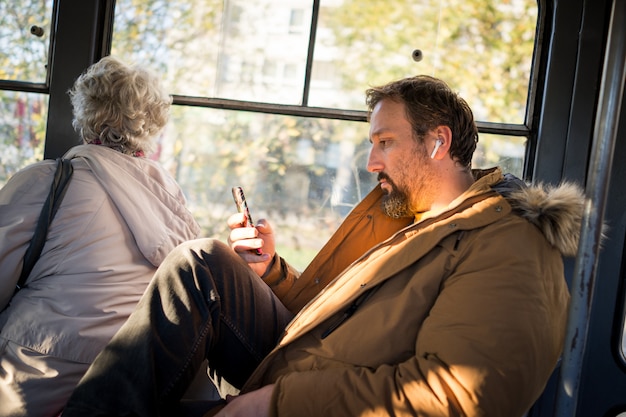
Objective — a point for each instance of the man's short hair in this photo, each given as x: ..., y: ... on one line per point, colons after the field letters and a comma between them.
x: 429, y: 103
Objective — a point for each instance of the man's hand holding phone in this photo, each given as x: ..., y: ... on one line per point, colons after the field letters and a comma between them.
x: 255, y: 244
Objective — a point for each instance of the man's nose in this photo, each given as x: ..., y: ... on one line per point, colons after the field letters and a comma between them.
x: 373, y: 162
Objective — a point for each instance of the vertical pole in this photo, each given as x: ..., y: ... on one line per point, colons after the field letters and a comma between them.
x: 583, y: 281
x: 309, y: 59
x: 77, y: 43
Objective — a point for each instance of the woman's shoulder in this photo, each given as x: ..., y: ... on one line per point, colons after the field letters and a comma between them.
x: 36, y: 169
x: 28, y: 180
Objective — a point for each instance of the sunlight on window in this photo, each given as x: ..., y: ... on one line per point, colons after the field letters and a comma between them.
x: 483, y: 49
x: 297, y: 171
x: 24, y: 43
x: 25, y: 40
x: 310, y: 171
x: 302, y: 174
x: 22, y: 130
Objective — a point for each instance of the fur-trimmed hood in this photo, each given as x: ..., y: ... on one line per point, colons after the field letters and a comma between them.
x: 556, y: 210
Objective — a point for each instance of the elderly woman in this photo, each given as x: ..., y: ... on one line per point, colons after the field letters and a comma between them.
x: 121, y: 215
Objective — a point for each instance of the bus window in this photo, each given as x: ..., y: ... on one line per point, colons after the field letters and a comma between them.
x: 505, y: 151
x: 24, y: 44
x: 483, y: 49
x: 22, y: 130
x: 301, y: 171
x: 258, y: 51
x: 236, y: 50
x: 24, y: 40
x: 303, y: 174
x: 249, y: 79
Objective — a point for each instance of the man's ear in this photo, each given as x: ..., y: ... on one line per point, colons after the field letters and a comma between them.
x: 442, y: 142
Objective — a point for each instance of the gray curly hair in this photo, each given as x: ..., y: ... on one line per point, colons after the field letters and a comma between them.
x: 120, y: 106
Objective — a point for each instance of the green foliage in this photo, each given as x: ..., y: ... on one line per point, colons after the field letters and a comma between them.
x: 482, y: 48
x: 22, y: 131
x: 23, y: 57
x: 169, y: 36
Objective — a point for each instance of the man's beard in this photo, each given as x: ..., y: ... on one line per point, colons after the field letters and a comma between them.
x: 396, y: 203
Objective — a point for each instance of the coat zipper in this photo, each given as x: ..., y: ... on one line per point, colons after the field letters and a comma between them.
x: 350, y: 310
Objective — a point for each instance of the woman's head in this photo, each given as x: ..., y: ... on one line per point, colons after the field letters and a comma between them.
x: 119, y: 106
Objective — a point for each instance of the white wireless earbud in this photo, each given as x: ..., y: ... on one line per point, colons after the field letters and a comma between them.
x: 436, y: 148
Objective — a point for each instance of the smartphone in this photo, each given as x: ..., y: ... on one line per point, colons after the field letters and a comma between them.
x: 242, y: 207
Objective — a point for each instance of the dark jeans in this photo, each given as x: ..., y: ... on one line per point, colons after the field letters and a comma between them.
x: 203, y: 303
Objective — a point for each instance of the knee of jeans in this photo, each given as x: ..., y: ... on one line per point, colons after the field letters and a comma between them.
x: 206, y: 245
x: 191, y: 251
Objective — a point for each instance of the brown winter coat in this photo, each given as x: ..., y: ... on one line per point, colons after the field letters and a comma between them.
x: 460, y: 314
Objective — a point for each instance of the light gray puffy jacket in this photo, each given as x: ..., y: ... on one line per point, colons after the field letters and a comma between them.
x: 118, y: 220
